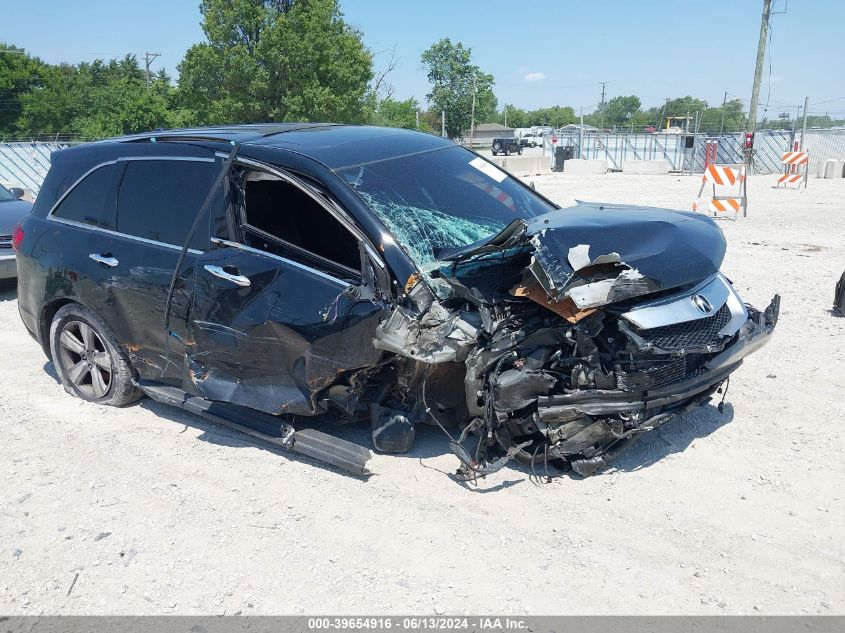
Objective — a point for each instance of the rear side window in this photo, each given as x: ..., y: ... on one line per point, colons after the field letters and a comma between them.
x: 85, y: 201
x: 159, y: 200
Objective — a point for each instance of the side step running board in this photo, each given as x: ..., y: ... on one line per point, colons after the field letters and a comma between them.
x: 267, y: 428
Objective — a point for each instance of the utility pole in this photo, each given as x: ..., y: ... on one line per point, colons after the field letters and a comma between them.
x: 418, y: 119
x: 505, y: 110
x: 148, y: 60
x: 803, y: 147
x: 581, y: 134
x: 662, y: 115
x: 601, y: 105
x: 722, y: 124
x: 443, y: 123
x: 472, y: 117
x: 794, y: 123
x: 758, y: 69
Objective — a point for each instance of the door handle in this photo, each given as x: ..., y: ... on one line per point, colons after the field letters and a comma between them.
x: 217, y: 271
x: 104, y: 258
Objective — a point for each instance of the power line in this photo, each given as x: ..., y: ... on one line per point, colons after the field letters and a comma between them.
x: 148, y: 60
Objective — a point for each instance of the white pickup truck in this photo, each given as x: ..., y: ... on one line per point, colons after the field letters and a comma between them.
x: 531, y: 140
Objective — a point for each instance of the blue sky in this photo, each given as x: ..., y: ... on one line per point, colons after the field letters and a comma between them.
x: 541, y: 52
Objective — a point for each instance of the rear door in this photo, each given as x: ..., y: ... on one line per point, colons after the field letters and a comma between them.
x: 286, y: 308
x: 156, y: 203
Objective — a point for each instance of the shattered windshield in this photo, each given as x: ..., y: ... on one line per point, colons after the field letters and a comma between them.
x: 446, y: 198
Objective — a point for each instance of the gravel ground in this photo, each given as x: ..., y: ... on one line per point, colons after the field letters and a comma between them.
x: 149, y: 510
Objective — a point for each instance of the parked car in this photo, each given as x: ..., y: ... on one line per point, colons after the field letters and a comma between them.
x: 505, y: 146
x: 12, y: 211
x: 259, y: 274
x: 531, y: 140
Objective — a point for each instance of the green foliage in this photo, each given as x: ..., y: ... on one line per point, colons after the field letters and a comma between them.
x: 734, y: 113
x: 620, y: 110
x: 453, y: 79
x: 684, y: 106
x: 19, y: 75
x: 276, y: 60
x: 556, y: 116
x: 513, y: 117
x: 393, y: 113
x: 95, y: 100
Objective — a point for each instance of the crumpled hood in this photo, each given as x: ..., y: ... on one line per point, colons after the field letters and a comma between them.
x: 668, y: 248
x: 595, y: 253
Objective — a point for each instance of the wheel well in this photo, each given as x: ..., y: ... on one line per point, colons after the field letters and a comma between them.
x: 46, y: 320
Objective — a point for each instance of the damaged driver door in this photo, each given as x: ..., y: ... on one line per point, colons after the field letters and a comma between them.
x: 274, y: 323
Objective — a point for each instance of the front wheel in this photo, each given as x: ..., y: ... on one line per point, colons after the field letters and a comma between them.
x: 89, y: 360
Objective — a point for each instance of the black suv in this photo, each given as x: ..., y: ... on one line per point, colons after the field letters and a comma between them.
x: 258, y: 274
x: 505, y: 146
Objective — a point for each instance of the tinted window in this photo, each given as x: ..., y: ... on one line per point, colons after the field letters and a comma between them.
x: 5, y: 194
x: 85, y: 200
x: 159, y: 200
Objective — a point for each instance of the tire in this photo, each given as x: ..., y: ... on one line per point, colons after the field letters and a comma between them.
x: 497, y: 146
x: 507, y: 151
x: 88, y: 359
x: 519, y: 151
x: 495, y: 153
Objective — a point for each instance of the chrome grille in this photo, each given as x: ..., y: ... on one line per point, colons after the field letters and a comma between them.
x: 696, y: 333
x: 5, y: 241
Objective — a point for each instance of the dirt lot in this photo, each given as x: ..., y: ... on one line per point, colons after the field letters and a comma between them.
x: 149, y: 510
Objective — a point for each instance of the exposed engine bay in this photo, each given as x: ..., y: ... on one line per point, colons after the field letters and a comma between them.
x: 544, y: 343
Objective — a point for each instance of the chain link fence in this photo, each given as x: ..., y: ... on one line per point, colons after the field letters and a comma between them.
x: 685, y: 153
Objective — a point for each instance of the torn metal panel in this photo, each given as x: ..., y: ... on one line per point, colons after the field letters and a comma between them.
x: 439, y: 336
x: 277, y: 344
x: 565, y: 307
x: 667, y: 249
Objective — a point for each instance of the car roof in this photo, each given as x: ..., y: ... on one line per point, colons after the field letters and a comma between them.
x: 336, y: 146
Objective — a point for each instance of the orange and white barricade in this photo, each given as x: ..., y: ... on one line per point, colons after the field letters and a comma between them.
x: 723, y: 204
x: 795, y: 168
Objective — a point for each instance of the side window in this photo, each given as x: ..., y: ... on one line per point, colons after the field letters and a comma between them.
x: 274, y: 208
x: 159, y: 200
x: 85, y: 201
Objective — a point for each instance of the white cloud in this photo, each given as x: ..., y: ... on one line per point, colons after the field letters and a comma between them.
x: 534, y: 77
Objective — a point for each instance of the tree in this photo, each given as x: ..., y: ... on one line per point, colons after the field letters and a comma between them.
x: 555, y: 116
x: 685, y: 106
x: 620, y: 110
x: 393, y: 113
x: 97, y: 99
x: 19, y: 75
x: 453, y: 79
x: 513, y: 116
x: 276, y: 60
x: 734, y: 117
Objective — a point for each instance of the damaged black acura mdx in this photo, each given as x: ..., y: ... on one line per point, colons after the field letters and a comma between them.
x: 257, y: 274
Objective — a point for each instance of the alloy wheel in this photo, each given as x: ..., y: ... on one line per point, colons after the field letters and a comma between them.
x: 84, y: 359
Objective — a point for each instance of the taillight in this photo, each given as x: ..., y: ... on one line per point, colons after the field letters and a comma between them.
x: 17, y: 237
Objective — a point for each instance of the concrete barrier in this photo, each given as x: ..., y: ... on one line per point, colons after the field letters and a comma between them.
x: 523, y: 165
x: 578, y: 166
x: 646, y: 167
x: 833, y: 168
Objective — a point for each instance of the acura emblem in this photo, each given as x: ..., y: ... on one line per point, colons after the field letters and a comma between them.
x: 702, y: 304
